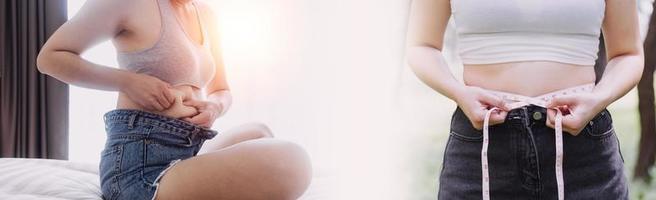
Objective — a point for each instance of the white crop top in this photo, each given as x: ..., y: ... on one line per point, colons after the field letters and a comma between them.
x: 499, y: 31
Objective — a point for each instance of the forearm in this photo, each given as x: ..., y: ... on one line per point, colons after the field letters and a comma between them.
x: 431, y: 68
x: 621, y: 75
x: 72, y: 69
x: 223, y: 98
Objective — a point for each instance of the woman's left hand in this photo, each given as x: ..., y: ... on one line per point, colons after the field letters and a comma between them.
x: 207, y: 112
x: 577, y: 110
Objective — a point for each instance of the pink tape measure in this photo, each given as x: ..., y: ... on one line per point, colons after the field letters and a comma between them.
x: 517, y: 101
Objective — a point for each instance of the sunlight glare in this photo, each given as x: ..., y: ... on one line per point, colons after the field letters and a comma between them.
x: 246, y: 32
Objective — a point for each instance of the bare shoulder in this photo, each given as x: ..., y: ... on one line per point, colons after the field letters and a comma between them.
x: 106, y: 17
x: 204, y: 6
x: 139, y: 8
x: 206, y: 10
x: 107, y: 8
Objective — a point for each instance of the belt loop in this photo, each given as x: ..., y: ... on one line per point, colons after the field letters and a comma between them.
x: 195, y: 132
x: 191, y: 137
x: 131, y: 122
x: 190, y: 141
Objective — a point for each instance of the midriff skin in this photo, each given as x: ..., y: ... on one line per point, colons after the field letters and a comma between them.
x: 531, y: 79
x: 177, y: 110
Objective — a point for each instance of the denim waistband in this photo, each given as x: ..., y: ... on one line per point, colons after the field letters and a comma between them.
x: 133, y: 117
x: 520, y: 101
x: 528, y: 112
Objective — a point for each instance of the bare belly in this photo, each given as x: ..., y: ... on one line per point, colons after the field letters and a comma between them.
x: 528, y: 78
x: 177, y: 110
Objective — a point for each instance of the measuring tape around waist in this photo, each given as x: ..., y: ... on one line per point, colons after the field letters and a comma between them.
x: 517, y: 102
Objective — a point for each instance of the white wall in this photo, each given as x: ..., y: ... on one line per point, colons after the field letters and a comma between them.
x: 87, y: 130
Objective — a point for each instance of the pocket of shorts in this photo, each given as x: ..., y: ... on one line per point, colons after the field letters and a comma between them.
x: 110, y: 150
x: 600, y: 127
x: 161, y: 147
x: 110, y: 168
x: 159, y: 157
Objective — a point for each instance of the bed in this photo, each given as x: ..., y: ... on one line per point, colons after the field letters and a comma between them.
x: 47, y: 179
x: 37, y: 179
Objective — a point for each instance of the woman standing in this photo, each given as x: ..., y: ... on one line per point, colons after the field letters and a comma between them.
x: 172, y: 87
x: 528, y: 76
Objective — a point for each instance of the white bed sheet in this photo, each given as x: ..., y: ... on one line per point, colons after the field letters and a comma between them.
x: 46, y: 179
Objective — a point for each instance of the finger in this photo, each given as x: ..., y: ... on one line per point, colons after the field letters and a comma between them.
x: 194, y: 103
x: 155, y: 104
x: 551, y: 116
x: 564, y: 110
x: 561, y: 101
x: 573, y: 124
x: 163, y: 101
x: 498, y: 117
x: 203, y: 121
x: 571, y: 131
x: 201, y: 118
x: 477, y: 119
x: 169, y: 95
x: 568, y: 122
x: 478, y: 126
x: 494, y: 101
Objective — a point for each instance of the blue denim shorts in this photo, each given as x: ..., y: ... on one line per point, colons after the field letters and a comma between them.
x: 521, y: 159
x: 140, y: 147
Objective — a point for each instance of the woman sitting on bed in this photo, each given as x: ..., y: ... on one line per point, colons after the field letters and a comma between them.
x: 172, y: 87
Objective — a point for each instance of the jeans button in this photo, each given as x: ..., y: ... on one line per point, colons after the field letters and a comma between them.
x: 537, y: 115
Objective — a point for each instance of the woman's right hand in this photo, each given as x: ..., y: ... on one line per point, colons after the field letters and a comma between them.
x: 149, y: 92
x: 475, y: 102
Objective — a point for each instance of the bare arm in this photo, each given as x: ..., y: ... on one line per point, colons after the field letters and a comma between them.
x: 624, y: 51
x: 218, y: 90
x: 97, y: 21
x: 624, y: 69
x: 428, y: 21
x: 219, y: 98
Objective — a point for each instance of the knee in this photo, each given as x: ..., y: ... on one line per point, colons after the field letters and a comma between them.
x: 290, y: 164
x: 261, y: 130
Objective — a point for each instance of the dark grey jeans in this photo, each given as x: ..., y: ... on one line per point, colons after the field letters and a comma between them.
x: 522, y: 158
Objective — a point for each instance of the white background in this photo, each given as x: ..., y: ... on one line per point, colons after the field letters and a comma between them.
x: 321, y: 73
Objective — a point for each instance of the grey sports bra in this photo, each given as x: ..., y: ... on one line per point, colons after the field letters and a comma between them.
x: 175, y: 58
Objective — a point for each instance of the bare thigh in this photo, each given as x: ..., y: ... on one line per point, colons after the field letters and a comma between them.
x: 236, y: 135
x: 254, y: 169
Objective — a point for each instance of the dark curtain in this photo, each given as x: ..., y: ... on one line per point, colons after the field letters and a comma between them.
x: 33, y: 106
